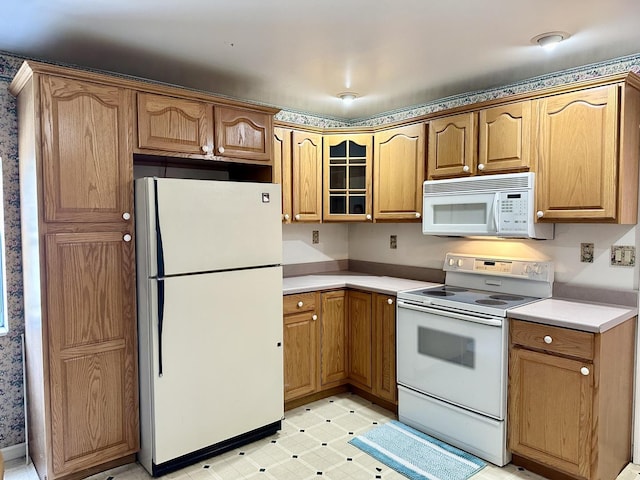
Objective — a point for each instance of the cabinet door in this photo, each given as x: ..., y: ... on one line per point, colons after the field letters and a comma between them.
x: 577, y: 155
x: 306, y: 171
x: 333, y: 337
x: 87, y: 164
x: 91, y: 323
x: 300, y: 354
x: 360, y: 336
x: 243, y: 134
x: 398, y: 173
x: 384, y: 347
x: 550, y: 410
x: 347, y: 177
x: 452, y: 146
x: 174, y: 124
x: 282, y: 169
x: 504, y: 141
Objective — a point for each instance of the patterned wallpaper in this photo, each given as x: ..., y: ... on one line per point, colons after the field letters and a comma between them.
x: 11, y: 394
x: 11, y: 399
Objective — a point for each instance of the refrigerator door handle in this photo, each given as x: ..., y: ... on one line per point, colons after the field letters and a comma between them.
x: 159, y: 249
x: 160, y: 322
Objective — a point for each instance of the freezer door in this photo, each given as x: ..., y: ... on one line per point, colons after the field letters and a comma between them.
x: 222, y: 370
x: 208, y: 225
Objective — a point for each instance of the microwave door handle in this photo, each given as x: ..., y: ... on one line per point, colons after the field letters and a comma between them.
x: 495, y: 212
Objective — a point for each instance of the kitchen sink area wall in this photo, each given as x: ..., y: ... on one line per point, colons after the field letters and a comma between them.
x: 337, y: 243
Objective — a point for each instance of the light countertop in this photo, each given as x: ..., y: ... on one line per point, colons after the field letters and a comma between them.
x: 579, y: 315
x: 379, y: 284
x: 560, y: 312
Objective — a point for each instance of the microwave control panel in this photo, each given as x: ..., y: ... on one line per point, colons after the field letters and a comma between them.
x: 513, y: 212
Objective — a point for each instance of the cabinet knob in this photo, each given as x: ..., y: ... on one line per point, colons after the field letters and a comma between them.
x: 286, y: 216
x: 539, y: 214
x: 481, y: 166
x: 297, y: 216
x: 465, y: 168
x: 300, y: 304
x: 314, y: 317
x: 221, y: 149
x: 418, y: 215
x: 547, y: 339
x: 584, y: 371
x: 126, y: 216
x: 368, y: 217
x: 127, y: 237
x: 390, y: 301
x: 206, y: 149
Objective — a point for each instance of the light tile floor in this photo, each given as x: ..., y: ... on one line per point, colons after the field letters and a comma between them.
x: 311, y: 445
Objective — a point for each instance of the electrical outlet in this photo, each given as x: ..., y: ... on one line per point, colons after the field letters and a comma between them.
x: 393, y: 241
x: 315, y: 237
x: 586, y: 252
x: 623, y: 255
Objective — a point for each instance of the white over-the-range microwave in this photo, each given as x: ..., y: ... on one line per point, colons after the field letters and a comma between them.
x: 490, y: 205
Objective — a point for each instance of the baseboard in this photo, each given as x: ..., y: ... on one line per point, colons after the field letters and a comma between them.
x: 14, y: 451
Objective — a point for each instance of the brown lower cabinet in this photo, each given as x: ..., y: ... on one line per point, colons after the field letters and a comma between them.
x: 336, y: 339
x: 570, y: 399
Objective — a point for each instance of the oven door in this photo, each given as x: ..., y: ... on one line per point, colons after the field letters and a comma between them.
x: 455, y: 357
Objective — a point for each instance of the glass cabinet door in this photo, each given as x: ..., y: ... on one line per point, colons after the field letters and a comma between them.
x: 348, y: 177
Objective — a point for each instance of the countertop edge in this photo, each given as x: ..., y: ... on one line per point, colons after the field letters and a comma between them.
x: 625, y: 314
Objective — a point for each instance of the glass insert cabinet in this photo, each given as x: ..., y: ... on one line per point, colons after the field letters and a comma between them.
x: 347, y: 177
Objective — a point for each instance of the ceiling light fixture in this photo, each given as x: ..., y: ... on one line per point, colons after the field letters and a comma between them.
x: 549, y: 40
x: 347, y: 97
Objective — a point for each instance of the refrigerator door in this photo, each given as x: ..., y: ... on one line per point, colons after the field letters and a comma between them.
x: 207, y: 225
x: 222, y: 370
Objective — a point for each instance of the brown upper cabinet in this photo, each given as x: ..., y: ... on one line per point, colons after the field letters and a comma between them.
x: 306, y: 177
x: 398, y: 173
x: 194, y: 128
x: 347, y: 177
x: 493, y: 140
x: 86, y: 165
x: 282, y: 138
x: 587, y: 155
x: 504, y: 137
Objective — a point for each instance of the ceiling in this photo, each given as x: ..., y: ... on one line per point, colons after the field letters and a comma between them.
x: 299, y: 54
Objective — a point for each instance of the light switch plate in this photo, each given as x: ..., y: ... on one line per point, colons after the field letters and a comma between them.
x: 586, y: 252
x: 623, y: 255
x: 393, y: 241
x: 315, y: 236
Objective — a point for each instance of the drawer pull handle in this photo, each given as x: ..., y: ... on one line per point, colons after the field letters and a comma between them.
x: 314, y: 317
x: 390, y: 301
x: 584, y: 371
x: 300, y: 304
x: 547, y: 339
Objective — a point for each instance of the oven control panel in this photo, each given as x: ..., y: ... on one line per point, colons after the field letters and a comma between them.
x: 500, y: 266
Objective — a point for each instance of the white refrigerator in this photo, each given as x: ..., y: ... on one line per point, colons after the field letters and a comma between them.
x: 209, y: 280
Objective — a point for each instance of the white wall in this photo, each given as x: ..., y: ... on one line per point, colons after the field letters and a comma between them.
x: 370, y: 242
x: 298, y: 247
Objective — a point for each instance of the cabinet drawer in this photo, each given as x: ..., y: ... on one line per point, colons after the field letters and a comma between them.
x: 559, y: 340
x: 291, y: 303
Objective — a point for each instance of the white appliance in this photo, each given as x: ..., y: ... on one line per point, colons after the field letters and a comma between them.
x: 490, y: 205
x: 452, y: 343
x: 209, y: 280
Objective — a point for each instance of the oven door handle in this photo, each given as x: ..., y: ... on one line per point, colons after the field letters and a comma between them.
x: 493, y: 322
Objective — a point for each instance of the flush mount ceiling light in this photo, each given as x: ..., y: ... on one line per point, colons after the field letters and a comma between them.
x: 347, y: 97
x: 549, y: 40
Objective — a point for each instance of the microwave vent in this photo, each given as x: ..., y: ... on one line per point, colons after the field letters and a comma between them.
x: 489, y: 183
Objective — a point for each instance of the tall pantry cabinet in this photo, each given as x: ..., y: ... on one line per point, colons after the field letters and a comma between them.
x: 76, y: 184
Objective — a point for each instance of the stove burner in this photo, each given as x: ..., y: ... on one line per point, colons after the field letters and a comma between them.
x: 454, y: 289
x: 489, y: 301
x: 438, y: 293
x: 508, y: 298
